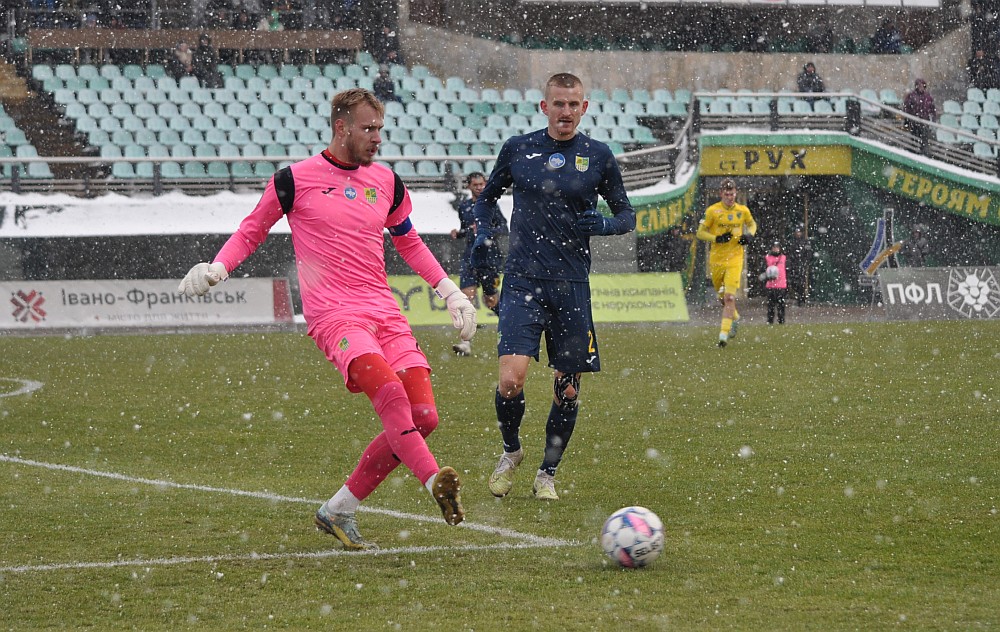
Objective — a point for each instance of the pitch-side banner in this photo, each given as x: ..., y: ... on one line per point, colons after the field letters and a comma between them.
x: 616, y: 298
x: 143, y: 303
x: 941, y: 293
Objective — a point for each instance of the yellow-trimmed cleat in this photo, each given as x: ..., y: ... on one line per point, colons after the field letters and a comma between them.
x: 502, y: 479
x: 545, y: 486
x: 344, y: 527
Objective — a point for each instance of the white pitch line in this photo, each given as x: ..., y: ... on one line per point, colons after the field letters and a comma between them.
x: 211, y: 559
x: 527, y: 540
x: 27, y: 386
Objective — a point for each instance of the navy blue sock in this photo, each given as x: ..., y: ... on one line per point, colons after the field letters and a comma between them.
x: 510, y: 412
x: 558, y: 430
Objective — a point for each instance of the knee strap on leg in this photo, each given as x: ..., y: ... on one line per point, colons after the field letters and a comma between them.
x: 567, y: 390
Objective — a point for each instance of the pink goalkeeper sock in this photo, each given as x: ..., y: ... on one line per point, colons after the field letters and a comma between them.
x: 400, y: 438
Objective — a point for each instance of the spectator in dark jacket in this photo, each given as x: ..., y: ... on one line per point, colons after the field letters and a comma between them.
x: 887, y: 40
x: 982, y: 69
x: 809, y: 81
x: 206, y: 63
x: 919, y: 103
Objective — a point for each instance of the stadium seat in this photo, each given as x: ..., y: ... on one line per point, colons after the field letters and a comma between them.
x: 445, y: 136
x: 949, y: 120
x: 110, y: 150
x: 167, y: 84
x: 975, y: 94
x: 427, y: 168
x: 263, y: 169
x: 171, y: 170
x: 241, y: 169
x: 122, y: 170
x: 945, y: 136
x: 244, y: 71
x: 972, y: 107
x: 644, y: 135
x: 194, y: 169
x: 889, y: 97
x: 39, y: 170
x: 146, y: 137
x: 181, y: 150
x: 983, y: 150
x: 950, y: 106
x: 134, y: 151
x: 308, y: 136
x: 205, y: 150
x: 823, y: 107
x: 801, y: 106
x: 457, y: 149
x: 41, y: 72
x: 168, y: 137
x: 144, y: 170
x: 217, y: 170
x: 969, y: 121
x: 285, y: 136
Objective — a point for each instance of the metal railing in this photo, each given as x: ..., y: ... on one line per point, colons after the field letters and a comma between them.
x: 644, y: 166
x: 864, y: 118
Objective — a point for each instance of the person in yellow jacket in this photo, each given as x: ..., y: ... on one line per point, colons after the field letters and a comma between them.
x: 728, y: 226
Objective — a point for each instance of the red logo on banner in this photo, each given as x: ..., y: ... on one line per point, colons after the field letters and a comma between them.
x: 28, y: 306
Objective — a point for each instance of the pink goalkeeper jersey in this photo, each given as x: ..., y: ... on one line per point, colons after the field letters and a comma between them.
x: 337, y: 214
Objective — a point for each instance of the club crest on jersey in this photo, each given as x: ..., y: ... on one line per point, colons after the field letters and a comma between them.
x: 730, y: 217
x: 582, y: 163
x: 557, y: 161
x: 343, y: 344
x: 371, y: 196
x: 350, y: 193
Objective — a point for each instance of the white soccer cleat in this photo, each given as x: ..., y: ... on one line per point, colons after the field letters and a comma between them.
x: 545, y: 486
x: 502, y: 479
x: 463, y: 348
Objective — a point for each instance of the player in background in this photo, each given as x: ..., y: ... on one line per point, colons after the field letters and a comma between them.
x: 728, y: 226
x: 776, y: 283
x: 556, y: 174
x: 488, y: 277
x: 338, y: 203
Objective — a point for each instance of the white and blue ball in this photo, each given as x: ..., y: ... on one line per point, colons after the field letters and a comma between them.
x: 632, y: 537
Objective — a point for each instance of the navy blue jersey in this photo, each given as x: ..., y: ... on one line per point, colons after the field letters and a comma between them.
x: 468, y: 219
x: 554, y: 182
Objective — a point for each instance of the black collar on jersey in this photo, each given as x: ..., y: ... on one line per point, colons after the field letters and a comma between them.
x: 336, y: 163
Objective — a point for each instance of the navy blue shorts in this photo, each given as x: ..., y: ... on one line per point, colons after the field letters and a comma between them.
x: 561, y: 311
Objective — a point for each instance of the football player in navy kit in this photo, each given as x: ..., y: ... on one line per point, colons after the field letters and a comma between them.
x: 556, y: 174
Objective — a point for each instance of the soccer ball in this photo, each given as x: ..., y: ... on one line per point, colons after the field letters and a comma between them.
x: 632, y: 537
x: 771, y: 272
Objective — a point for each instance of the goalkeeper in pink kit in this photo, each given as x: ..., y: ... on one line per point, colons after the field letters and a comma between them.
x: 337, y: 204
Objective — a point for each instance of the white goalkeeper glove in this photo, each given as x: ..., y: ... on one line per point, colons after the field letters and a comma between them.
x: 201, y: 278
x: 463, y: 314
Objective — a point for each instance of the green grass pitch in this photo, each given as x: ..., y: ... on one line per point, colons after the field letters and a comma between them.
x: 810, y: 476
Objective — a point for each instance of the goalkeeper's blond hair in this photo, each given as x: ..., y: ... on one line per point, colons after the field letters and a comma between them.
x: 344, y: 103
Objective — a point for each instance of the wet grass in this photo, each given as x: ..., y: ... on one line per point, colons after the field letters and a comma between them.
x: 809, y: 476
